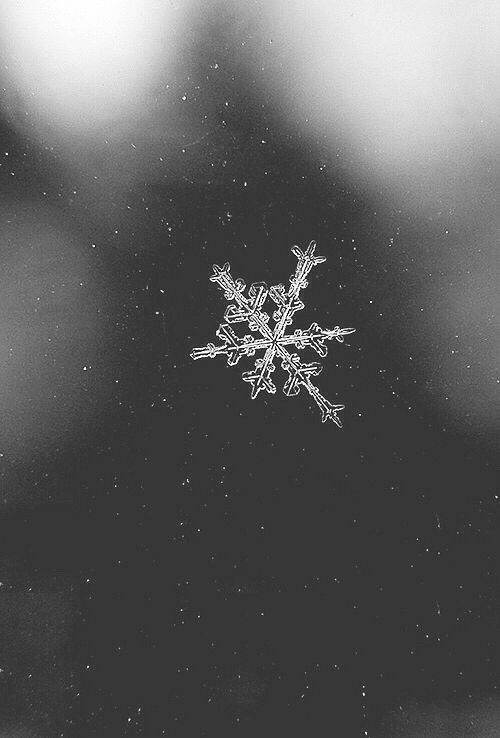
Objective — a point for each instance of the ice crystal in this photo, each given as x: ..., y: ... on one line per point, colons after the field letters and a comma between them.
x: 270, y: 333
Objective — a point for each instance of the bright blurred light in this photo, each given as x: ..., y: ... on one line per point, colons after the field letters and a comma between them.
x: 411, y: 89
x: 80, y: 63
x: 407, y: 96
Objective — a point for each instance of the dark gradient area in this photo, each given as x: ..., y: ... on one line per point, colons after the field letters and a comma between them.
x: 179, y: 560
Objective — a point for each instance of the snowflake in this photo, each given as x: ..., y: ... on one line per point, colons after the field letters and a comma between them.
x: 273, y: 341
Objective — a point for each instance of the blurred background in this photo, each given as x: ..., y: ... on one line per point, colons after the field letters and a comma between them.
x: 176, y: 559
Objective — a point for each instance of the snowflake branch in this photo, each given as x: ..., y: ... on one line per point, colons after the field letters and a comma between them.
x: 306, y: 261
x: 299, y: 374
x: 245, y: 309
x: 233, y: 347
x: 315, y: 337
x: 328, y: 411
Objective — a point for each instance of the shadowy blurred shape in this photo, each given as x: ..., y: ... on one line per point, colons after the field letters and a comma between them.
x: 478, y: 720
x: 51, y: 333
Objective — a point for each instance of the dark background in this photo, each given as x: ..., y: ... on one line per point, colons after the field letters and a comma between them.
x: 183, y: 561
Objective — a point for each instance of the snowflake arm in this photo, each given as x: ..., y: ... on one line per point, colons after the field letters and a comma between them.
x: 289, y: 302
x: 306, y: 261
x: 328, y: 410
x: 299, y: 374
x: 315, y: 337
x: 233, y: 347
x: 260, y: 379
